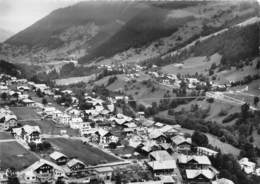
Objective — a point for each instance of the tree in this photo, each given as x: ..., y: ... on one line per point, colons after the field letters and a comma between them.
x: 44, y: 101
x: 256, y: 100
x: 244, y: 110
x: 4, y: 96
x: 199, y: 139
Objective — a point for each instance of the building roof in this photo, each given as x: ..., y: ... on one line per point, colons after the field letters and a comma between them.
x: 200, y: 159
x: 213, y: 152
x: 161, y: 155
x: 104, y: 169
x: 167, y: 128
x: 178, y: 139
x: 162, y: 165
x: 193, y: 173
x: 30, y: 129
x: 74, y: 161
x: 39, y: 163
x: 56, y: 155
x: 223, y: 181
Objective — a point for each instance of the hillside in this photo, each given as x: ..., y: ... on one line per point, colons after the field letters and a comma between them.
x: 89, y: 28
x: 71, y: 30
x: 4, y: 34
x: 9, y: 68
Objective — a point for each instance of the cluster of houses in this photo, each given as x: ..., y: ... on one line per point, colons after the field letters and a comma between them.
x: 165, y: 150
x: 58, y: 165
x: 8, y: 119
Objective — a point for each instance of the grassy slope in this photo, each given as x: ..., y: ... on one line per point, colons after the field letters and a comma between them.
x: 145, y: 27
x: 41, y: 33
x: 235, y: 44
x: 14, y: 155
x: 85, y: 153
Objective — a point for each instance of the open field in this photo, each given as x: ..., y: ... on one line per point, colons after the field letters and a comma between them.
x: 73, y: 80
x: 5, y: 135
x: 84, y: 152
x: 46, y: 126
x: 25, y: 113
x: 49, y: 127
x: 192, y: 65
x: 14, y: 155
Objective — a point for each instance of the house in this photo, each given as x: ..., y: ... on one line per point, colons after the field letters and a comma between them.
x: 84, y: 128
x: 27, y: 102
x: 158, y: 136
x: 162, y: 167
x: 199, y: 176
x: 75, y: 123
x: 193, y: 161
x: 30, y: 134
x: 7, y: 119
x: 59, y: 158
x: 206, y: 151
x: 43, y: 170
x: 105, y: 137
x: 181, y: 144
x: 63, y: 119
x: 247, y: 166
x: 75, y: 167
x: 161, y: 162
x: 104, y: 173
x: 160, y: 155
x: 149, y: 146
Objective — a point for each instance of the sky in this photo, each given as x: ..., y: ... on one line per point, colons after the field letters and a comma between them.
x: 16, y: 15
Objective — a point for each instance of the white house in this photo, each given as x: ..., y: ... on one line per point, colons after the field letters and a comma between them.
x: 247, y: 166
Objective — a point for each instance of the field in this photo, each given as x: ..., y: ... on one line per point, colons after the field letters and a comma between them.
x: 84, y: 152
x: 14, y: 155
x: 73, y: 80
x: 192, y: 65
x: 46, y: 126
x: 25, y: 113
x: 5, y: 135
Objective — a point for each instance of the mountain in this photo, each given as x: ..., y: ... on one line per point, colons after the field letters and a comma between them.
x: 84, y: 27
x: 4, y: 35
x: 72, y: 30
x: 100, y: 30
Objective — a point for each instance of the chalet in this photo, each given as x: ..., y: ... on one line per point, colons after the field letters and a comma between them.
x: 75, y: 123
x: 104, y: 137
x: 161, y: 162
x: 104, y: 173
x: 158, y: 136
x: 30, y: 134
x: 73, y: 112
x: 4, y: 89
x: 27, y: 102
x: 63, y: 119
x: 23, y: 88
x: 247, y: 166
x: 159, y: 155
x: 59, y: 158
x: 76, y: 167
x: 181, y: 144
x: 200, y: 176
x: 149, y: 146
x: 193, y: 161
x: 8, y: 121
x: 43, y: 171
